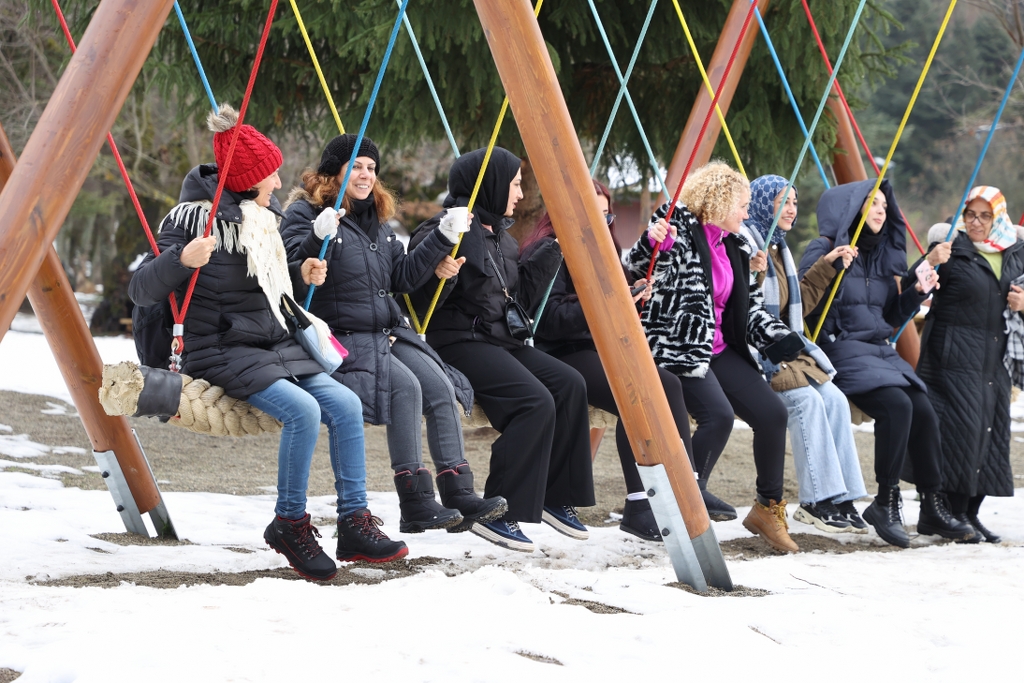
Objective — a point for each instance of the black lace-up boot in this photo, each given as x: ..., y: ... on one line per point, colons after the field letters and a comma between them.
x: 990, y: 537
x: 937, y: 520
x: 456, y: 488
x: 420, y: 511
x: 361, y: 539
x: 885, y: 515
x: 976, y: 537
x: 296, y: 540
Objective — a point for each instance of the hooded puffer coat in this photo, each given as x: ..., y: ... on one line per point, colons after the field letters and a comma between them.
x: 962, y: 363
x: 868, y: 305
x: 363, y: 269
x: 232, y: 338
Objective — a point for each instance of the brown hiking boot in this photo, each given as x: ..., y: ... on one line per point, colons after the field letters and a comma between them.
x: 769, y: 522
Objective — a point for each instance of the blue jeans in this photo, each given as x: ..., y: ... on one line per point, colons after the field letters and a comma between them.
x: 824, y: 452
x: 302, y: 406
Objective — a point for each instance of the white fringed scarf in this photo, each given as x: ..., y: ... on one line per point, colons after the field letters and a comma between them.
x: 260, y: 240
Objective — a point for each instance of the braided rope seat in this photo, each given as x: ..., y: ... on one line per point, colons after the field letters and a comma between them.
x: 599, y: 419
x: 202, y: 408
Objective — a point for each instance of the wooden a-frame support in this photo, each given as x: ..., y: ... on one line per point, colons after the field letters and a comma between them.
x: 35, y: 199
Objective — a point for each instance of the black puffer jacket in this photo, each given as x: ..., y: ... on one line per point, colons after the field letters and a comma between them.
x: 232, y: 339
x: 355, y: 300
x: 962, y: 364
x: 868, y: 305
x: 680, y: 317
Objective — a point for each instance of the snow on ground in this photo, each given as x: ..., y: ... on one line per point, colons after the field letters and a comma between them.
x: 940, y: 611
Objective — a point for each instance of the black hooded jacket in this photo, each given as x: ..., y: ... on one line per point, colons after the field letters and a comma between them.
x: 232, y: 338
x: 868, y: 305
x: 363, y: 268
x: 472, y: 306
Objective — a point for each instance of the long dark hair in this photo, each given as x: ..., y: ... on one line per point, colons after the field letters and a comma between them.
x: 544, y: 227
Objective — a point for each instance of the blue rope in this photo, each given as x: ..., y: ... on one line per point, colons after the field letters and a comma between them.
x: 624, y: 92
x: 430, y: 83
x: 362, y: 132
x: 817, y: 117
x: 789, y: 94
x: 195, y: 56
x: 977, y: 165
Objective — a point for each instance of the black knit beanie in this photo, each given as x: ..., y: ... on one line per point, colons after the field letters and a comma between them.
x: 339, y: 152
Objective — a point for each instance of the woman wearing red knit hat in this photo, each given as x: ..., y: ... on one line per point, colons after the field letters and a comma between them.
x: 236, y: 337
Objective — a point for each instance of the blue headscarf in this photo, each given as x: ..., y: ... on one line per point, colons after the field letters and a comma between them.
x: 763, y: 192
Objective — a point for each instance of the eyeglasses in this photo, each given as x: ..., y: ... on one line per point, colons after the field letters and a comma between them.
x: 983, y: 218
x: 609, y: 218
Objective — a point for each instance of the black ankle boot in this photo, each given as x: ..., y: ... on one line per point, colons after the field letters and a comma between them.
x: 884, y: 515
x: 718, y: 509
x: 456, y: 488
x: 976, y: 536
x: 361, y: 539
x: 420, y: 511
x: 638, y: 519
x: 990, y: 537
x: 936, y: 519
x: 296, y: 540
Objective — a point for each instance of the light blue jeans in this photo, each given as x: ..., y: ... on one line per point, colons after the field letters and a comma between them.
x: 824, y: 452
x: 301, y: 407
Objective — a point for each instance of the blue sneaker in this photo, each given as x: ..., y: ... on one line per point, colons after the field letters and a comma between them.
x: 565, y: 521
x: 504, y: 533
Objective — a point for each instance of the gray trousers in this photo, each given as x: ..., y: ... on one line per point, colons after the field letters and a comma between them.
x: 420, y: 388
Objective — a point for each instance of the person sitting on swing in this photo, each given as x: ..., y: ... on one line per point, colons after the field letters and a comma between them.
x: 855, y: 337
x: 705, y: 315
x: 562, y: 331
x: 824, y: 450
x: 397, y: 376
x: 541, y: 461
x: 236, y: 337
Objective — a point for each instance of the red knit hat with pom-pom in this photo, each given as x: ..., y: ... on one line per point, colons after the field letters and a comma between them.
x: 255, y: 157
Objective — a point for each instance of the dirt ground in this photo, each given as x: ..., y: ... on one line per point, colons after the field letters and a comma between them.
x: 183, y: 461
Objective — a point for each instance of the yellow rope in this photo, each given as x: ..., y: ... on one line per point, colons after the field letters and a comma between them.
x: 885, y: 166
x: 316, y: 65
x: 711, y: 90
x: 422, y: 329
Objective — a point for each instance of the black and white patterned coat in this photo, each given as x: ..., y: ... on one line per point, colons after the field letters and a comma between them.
x: 680, y: 317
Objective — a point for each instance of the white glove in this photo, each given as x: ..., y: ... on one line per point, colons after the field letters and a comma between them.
x: 326, y: 224
x: 454, y: 222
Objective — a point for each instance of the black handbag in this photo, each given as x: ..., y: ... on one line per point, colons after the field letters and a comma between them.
x: 519, y: 324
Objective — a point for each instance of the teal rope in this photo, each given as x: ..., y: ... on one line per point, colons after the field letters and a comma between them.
x: 817, y: 117
x: 624, y: 92
x: 430, y: 82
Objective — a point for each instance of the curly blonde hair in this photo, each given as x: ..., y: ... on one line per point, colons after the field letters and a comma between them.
x: 713, y: 191
x: 324, y: 191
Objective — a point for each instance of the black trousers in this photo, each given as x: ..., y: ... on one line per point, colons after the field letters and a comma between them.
x: 905, y: 422
x: 599, y: 395
x: 539, y: 405
x: 733, y: 387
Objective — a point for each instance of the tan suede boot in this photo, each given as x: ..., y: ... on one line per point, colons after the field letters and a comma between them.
x: 769, y: 522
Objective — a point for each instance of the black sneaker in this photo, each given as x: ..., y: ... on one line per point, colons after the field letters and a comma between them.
x: 718, y: 509
x: 360, y: 539
x: 505, y: 533
x: 565, y: 521
x: 638, y: 519
x: 849, y: 512
x: 296, y: 540
x: 823, y: 515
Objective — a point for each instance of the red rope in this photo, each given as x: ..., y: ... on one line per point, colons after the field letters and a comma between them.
x: 178, y: 343
x: 849, y: 113
x: 704, y: 128
x: 116, y: 153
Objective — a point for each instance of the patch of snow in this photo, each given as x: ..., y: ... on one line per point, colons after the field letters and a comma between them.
x: 20, y: 446
x: 6, y: 428
x: 45, y: 470
x: 56, y: 409
x: 68, y: 450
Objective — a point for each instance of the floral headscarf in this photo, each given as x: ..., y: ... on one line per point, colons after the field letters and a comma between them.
x: 763, y: 192
x: 1003, y: 233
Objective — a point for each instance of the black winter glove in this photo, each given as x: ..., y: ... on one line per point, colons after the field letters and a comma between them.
x: 785, y: 349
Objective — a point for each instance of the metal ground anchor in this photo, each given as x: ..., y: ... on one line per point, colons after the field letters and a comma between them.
x: 112, y: 475
x: 673, y: 528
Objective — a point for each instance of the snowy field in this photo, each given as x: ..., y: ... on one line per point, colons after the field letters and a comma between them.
x: 601, y: 610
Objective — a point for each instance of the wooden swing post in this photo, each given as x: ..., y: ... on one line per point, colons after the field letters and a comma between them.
x: 524, y: 65
x: 35, y: 198
x: 726, y: 40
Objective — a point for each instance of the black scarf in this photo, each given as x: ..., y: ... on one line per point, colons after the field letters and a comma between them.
x: 868, y: 240
x: 492, y: 200
x: 364, y: 214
